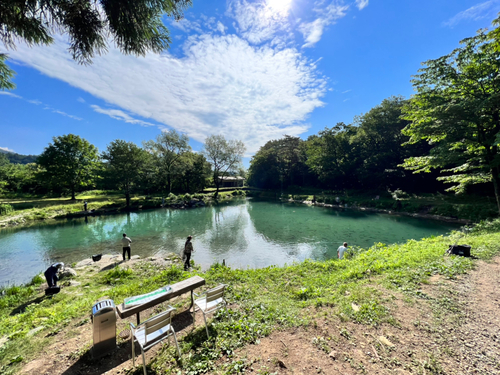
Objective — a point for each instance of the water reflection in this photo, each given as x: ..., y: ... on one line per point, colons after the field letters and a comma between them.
x: 246, y: 233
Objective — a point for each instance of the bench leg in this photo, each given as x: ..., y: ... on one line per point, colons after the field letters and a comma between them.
x: 194, y: 308
x: 138, y: 318
x: 192, y: 301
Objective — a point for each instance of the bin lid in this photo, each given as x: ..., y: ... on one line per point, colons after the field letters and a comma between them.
x: 106, y: 305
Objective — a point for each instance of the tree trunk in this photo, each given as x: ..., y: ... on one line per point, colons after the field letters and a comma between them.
x: 496, y: 184
x: 127, y: 197
x: 73, y: 194
x: 217, y: 183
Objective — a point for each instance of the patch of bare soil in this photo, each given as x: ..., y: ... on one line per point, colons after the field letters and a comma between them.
x: 453, y: 329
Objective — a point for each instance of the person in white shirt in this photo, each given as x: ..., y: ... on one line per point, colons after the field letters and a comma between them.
x: 126, y: 245
x: 341, y: 250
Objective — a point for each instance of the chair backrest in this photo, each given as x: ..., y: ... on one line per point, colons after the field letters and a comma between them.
x: 157, y: 322
x: 215, y: 293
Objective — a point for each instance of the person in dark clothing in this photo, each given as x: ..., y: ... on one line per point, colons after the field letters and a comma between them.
x: 188, y: 249
x: 126, y: 246
x: 51, y: 274
x: 85, y: 206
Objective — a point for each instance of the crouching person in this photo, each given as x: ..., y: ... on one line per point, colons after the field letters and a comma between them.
x: 51, y: 274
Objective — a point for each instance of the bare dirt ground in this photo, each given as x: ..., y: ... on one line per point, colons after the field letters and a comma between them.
x: 453, y: 329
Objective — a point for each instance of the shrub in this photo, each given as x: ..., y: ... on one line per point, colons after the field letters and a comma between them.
x: 6, y: 209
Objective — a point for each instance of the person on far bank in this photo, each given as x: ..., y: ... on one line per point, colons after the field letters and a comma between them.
x: 341, y: 250
x: 51, y: 274
x: 126, y: 246
x: 188, y: 249
x: 85, y: 206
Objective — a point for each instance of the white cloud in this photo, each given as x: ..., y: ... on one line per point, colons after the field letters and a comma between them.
x: 63, y: 113
x: 488, y: 9
x: 81, y: 100
x: 186, y: 25
x: 257, y: 22
x: 10, y: 94
x: 38, y: 102
x: 346, y: 91
x: 312, y: 31
x: 6, y: 148
x: 361, y: 4
x: 120, y: 115
x: 221, y: 28
x: 222, y: 85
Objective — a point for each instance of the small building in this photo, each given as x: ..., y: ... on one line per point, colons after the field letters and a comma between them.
x: 230, y: 181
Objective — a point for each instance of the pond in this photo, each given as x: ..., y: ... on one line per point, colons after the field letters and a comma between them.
x: 246, y: 233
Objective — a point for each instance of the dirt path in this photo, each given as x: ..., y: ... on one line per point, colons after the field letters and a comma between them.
x: 453, y: 329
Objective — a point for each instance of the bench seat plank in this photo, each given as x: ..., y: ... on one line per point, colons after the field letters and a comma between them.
x: 178, y: 289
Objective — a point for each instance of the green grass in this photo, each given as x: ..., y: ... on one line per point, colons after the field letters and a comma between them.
x: 296, y: 297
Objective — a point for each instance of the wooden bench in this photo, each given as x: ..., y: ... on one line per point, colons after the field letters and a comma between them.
x: 179, y: 288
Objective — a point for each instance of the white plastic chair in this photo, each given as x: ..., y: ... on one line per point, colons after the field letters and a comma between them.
x: 151, y: 332
x: 212, y: 300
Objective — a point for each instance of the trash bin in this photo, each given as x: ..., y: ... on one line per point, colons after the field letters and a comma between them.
x: 104, y: 325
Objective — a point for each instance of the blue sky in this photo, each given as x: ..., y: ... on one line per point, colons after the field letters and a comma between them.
x: 249, y: 70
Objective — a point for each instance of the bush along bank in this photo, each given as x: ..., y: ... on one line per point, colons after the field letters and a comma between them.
x: 358, y: 290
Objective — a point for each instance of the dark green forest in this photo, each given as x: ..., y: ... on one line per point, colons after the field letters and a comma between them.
x: 18, y: 158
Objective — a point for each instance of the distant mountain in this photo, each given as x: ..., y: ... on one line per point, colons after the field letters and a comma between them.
x: 18, y: 158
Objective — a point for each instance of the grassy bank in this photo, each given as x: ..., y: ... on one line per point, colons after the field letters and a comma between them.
x: 263, y: 301
x: 26, y: 210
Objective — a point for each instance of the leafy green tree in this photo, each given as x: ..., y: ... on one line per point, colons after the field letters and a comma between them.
x: 333, y: 156
x: 70, y: 162
x: 167, y: 151
x: 195, y: 171
x: 125, y: 166
x: 379, y: 142
x: 225, y: 156
x: 457, y: 110
x: 264, y: 171
x: 135, y: 27
x: 279, y: 164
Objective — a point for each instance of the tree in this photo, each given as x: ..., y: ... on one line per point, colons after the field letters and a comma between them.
x: 135, y: 26
x: 167, y: 150
x: 125, y: 165
x: 224, y: 156
x: 379, y: 142
x: 195, y: 171
x: 279, y: 164
x: 457, y: 110
x: 70, y: 162
x: 333, y: 156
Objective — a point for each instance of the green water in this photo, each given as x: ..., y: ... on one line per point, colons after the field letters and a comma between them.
x: 246, y: 233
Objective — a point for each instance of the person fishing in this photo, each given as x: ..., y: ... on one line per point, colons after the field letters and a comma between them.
x: 51, y: 274
x: 188, y: 249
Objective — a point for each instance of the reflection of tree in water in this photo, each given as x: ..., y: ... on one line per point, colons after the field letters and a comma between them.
x: 281, y: 224
x: 227, y: 233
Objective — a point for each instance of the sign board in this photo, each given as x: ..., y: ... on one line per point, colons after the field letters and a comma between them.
x: 148, y: 297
